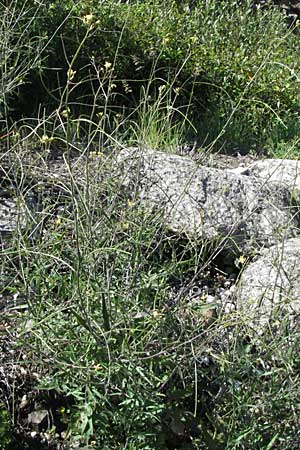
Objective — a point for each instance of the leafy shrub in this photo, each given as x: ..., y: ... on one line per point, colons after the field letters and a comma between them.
x: 238, y: 66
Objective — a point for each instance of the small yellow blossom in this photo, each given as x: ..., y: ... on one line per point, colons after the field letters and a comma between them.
x: 156, y: 314
x: 130, y: 203
x: 125, y: 226
x: 88, y: 19
x: 46, y: 139
x: 58, y: 221
x: 107, y: 65
x: 242, y: 259
x: 71, y: 73
x: 95, y: 154
x: 65, y: 113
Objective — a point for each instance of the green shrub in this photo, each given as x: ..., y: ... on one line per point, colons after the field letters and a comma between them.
x: 5, y: 428
x: 239, y: 67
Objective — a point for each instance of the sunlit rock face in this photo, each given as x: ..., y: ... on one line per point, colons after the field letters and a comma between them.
x: 243, y: 212
x: 269, y: 287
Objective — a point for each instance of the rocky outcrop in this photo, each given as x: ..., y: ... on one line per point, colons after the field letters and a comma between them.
x: 246, y: 207
x: 269, y: 287
x: 283, y: 172
x: 206, y: 203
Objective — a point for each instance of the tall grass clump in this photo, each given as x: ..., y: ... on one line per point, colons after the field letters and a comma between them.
x: 102, y: 322
x: 20, y: 50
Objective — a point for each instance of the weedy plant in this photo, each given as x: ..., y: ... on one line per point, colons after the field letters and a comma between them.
x: 21, y: 52
x: 106, y: 318
x: 229, y: 56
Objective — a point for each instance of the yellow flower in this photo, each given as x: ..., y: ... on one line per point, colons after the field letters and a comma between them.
x: 70, y: 74
x: 107, y: 65
x: 156, y: 314
x: 58, y: 221
x: 46, y: 139
x: 241, y: 260
x: 88, y: 19
x: 65, y: 113
x: 94, y: 154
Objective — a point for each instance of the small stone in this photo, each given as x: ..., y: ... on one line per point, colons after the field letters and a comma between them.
x: 24, y: 402
x: 210, y: 299
x: 37, y: 417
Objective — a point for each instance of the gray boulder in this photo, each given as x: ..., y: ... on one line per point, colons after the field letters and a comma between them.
x: 281, y: 171
x: 208, y: 203
x: 269, y: 287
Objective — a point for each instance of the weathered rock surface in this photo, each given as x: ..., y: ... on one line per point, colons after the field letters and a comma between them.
x: 285, y: 172
x: 12, y: 216
x: 269, y: 287
x: 209, y: 203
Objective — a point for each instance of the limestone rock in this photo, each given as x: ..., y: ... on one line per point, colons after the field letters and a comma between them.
x: 12, y: 216
x: 208, y: 203
x: 281, y: 171
x: 269, y: 287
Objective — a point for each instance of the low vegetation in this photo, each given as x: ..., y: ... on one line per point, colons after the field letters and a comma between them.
x: 100, y: 332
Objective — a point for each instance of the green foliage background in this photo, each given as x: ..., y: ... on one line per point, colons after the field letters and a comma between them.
x: 237, y: 67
